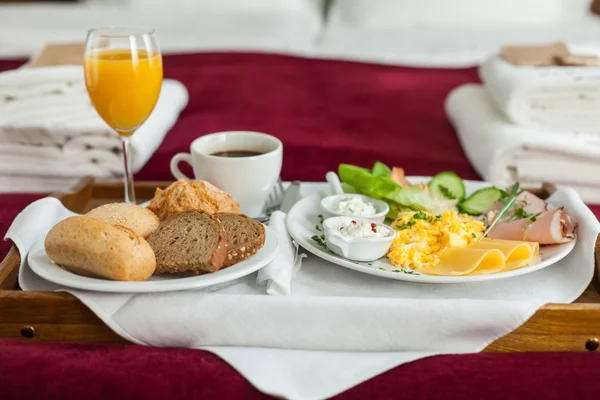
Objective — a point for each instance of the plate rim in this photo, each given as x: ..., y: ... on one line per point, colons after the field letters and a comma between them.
x: 421, y: 278
x: 244, y: 268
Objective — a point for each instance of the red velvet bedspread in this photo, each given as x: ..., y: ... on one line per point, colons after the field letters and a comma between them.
x: 325, y: 112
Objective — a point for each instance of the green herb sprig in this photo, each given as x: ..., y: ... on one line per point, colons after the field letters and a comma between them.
x: 320, y: 239
x: 509, y: 200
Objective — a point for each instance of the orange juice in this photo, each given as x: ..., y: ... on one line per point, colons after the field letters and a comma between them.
x: 123, y: 87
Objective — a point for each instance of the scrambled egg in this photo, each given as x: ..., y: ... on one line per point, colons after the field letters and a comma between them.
x: 421, y: 238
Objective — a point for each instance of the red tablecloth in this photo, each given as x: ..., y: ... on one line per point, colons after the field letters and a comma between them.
x: 325, y: 112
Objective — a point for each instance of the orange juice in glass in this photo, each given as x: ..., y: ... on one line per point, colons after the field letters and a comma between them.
x: 123, y: 87
x: 123, y: 76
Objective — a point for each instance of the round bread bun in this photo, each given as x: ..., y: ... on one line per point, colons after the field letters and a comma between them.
x: 93, y: 248
x: 139, y: 219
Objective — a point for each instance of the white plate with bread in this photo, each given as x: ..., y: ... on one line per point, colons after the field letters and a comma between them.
x: 173, y: 244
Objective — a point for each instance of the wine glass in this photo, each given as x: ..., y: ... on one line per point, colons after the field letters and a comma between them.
x: 123, y: 76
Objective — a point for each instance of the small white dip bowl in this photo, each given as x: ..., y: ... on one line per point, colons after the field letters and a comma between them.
x: 329, y: 203
x: 356, y: 248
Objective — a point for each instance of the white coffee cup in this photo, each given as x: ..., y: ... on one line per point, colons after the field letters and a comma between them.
x: 249, y: 179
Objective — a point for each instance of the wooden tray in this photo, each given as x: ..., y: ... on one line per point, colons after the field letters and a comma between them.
x: 62, y: 317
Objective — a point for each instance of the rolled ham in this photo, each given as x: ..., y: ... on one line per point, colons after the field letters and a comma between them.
x: 550, y: 227
x: 529, y: 201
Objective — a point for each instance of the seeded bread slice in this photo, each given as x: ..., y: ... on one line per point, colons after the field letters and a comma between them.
x: 189, y: 242
x: 246, y: 236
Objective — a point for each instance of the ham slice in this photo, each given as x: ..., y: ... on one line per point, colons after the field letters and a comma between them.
x: 550, y: 227
x: 529, y: 201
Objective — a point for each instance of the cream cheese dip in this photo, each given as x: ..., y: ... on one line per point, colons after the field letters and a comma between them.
x: 355, y: 205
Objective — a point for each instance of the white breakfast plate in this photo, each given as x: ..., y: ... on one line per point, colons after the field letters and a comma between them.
x: 40, y: 264
x: 303, y: 218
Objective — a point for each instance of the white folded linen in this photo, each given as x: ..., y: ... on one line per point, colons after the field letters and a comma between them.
x: 338, y: 327
x: 49, y: 129
x: 503, y: 153
x: 549, y: 98
x: 277, y: 276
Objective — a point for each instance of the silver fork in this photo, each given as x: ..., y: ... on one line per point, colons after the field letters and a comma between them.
x: 273, y: 202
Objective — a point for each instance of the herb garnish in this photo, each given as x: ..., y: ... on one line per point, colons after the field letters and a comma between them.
x: 405, y: 271
x: 320, y: 239
x: 474, y: 235
x: 508, y: 201
x: 520, y: 213
x: 420, y: 215
x: 408, y: 224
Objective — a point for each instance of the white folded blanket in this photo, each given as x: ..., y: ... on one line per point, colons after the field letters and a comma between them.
x: 551, y: 98
x: 50, y: 130
x: 503, y: 153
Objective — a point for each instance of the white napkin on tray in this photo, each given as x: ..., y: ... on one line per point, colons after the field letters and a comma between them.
x: 277, y: 276
x: 338, y: 327
x: 548, y: 98
x: 50, y: 131
x: 503, y: 153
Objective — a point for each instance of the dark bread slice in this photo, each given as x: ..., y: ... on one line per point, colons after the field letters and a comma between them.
x: 246, y: 236
x: 189, y: 242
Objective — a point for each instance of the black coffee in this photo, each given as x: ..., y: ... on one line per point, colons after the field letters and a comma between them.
x: 236, y: 153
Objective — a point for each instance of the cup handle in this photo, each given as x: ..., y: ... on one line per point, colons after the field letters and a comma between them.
x: 187, y: 157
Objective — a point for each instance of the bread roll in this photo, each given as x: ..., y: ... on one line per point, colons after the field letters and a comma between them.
x: 139, y: 219
x: 94, y: 248
x: 185, y: 195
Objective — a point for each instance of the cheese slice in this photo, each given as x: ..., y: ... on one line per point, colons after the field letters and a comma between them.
x: 517, y: 254
x: 487, y: 256
x: 462, y: 261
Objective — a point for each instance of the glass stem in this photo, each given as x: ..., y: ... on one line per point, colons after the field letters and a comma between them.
x: 128, y: 178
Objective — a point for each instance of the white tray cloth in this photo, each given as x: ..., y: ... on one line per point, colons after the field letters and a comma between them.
x: 338, y: 327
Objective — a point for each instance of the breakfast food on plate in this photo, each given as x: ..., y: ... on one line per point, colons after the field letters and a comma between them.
x: 442, y: 231
x: 529, y: 219
x: 95, y: 248
x: 246, y: 236
x: 202, y: 231
x: 190, y: 241
x: 486, y: 256
x: 421, y: 237
x: 184, y: 195
x: 549, y: 227
x: 139, y: 219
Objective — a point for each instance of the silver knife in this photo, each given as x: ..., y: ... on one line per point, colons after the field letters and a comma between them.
x: 291, y: 196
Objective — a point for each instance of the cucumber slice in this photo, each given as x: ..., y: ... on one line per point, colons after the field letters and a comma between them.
x: 449, y: 185
x: 480, y: 201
